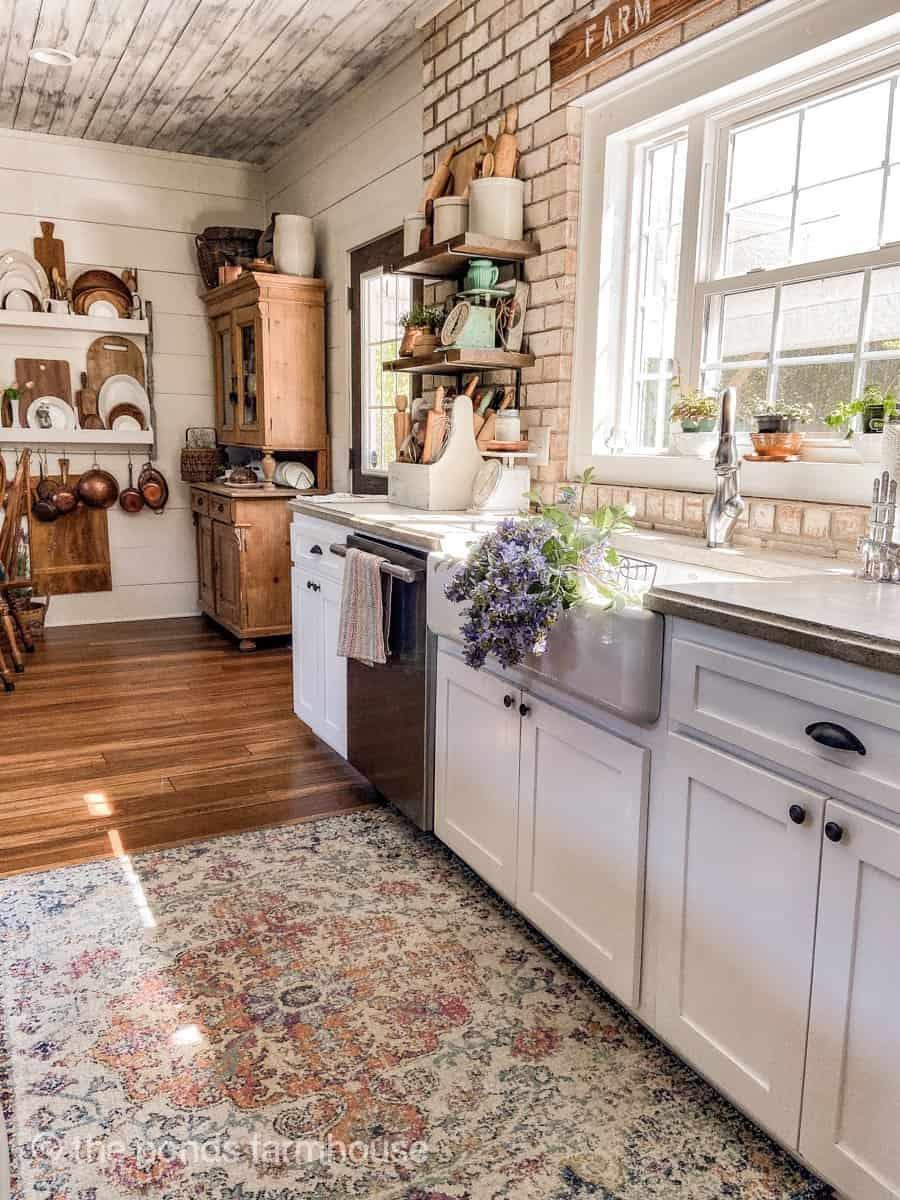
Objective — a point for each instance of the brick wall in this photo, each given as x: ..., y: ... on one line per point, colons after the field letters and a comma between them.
x: 480, y: 56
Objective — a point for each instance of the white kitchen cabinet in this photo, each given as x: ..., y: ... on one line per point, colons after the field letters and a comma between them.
x: 476, y: 770
x: 739, y: 927
x: 851, y: 1109
x: 582, y: 820
x: 320, y: 677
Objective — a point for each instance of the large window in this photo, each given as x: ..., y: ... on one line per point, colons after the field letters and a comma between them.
x: 762, y: 251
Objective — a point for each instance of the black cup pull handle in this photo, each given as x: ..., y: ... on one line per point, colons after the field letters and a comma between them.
x: 835, y: 736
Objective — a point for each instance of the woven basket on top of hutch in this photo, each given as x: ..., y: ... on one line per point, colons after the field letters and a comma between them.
x: 269, y: 364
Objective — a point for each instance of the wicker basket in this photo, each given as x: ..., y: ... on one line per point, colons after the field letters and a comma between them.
x: 201, y: 465
x: 221, y: 244
x: 33, y: 615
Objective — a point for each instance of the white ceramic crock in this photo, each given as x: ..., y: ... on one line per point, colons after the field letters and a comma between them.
x: 294, y: 246
x: 450, y: 217
x: 497, y: 207
x: 413, y: 224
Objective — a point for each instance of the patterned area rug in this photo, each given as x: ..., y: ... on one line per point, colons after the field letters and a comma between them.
x: 334, y: 1010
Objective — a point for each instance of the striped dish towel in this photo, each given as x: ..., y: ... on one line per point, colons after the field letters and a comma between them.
x: 365, y: 609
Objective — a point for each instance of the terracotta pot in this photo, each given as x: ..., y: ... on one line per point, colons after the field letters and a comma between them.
x: 411, y: 335
x: 425, y: 345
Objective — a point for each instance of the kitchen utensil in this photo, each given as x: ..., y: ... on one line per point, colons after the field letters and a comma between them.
x: 126, y: 416
x: 776, y: 447
x: 153, y: 487
x: 86, y: 400
x: 100, y: 280
x: 437, y: 185
x: 50, y: 252
x: 20, y: 280
x: 402, y: 422
x: 413, y: 224
x: 101, y: 302
x: 42, y: 506
x: 506, y: 148
x: 50, y: 412
x: 488, y: 431
x: 64, y: 497
x: 71, y: 555
x: 497, y: 207
x: 17, y: 260
x: 122, y: 392
x: 59, y: 285
x: 130, y: 498
x: 98, y: 488
x: 44, y: 488
x: 41, y: 377
x: 450, y: 217
x: 113, y: 355
x: 482, y: 273
x: 294, y: 475
x: 19, y: 300
x: 435, y: 426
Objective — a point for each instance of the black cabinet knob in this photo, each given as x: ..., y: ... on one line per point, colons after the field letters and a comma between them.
x: 315, y: 549
x: 833, y: 831
x: 508, y: 701
x: 797, y: 813
x: 524, y: 710
x: 826, y: 733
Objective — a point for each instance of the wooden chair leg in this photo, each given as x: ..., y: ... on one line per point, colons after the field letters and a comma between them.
x: 6, y: 675
x: 9, y: 630
x: 22, y: 629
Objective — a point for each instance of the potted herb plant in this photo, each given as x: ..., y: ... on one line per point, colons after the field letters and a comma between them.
x: 781, y: 416
x: 875, y: 409
x: 695, y: 412
x: 421, y: 325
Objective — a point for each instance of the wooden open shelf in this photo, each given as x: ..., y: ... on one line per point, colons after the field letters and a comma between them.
x: 71, y: 321
x: 449, y: 259
x: 459, y: 362
x: 91, y: 439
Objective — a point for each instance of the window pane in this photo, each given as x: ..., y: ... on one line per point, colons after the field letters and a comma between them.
x: 892, y: 209
x: 764, y: 160
x: 884, y: 373
x: 383, y: 300
x: 884, y: 310
x: 838, y: 218
x: 821, y: 317
x: 749, y: 382
x: 845, y: 135
x: 823, y: 385
x: 759, y: 235
x: 740, y: 326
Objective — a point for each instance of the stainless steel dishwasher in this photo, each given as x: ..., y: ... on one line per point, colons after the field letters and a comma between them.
x: 388, y: 705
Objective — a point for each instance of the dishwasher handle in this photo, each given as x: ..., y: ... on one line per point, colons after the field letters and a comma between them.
x: 404, y: 574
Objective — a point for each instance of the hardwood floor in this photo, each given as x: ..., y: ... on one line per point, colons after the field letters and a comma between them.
x: 121, y: 738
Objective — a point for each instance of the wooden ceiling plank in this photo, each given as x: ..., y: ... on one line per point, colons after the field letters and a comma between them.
x: 259, y: 28
x: 149, y: 46
x: 58, y: 81
x: 24, y: 17
x: 111, y: 24
x: 360, y: 66
x: 198, y: 44
x: 50, y: 27
x: 352, y: 38
x: 314, y: 23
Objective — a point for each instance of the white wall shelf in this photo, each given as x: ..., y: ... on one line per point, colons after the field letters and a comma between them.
x: 77, y: 324
x: 76, y: 438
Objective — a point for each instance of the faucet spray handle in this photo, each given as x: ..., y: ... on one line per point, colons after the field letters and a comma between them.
x: 726, y: 455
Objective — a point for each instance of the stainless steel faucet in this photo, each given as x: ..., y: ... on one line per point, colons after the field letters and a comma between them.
x: 727, y: 502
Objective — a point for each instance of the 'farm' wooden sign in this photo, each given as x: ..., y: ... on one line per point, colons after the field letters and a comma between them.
x: 608, y: 31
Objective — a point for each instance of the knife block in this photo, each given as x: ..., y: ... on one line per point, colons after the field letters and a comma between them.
x: 446, y: 485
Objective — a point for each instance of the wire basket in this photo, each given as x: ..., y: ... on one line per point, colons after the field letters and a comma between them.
x: 633, y: 575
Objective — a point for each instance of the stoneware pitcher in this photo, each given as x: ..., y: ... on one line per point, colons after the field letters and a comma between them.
x: 294, y: 245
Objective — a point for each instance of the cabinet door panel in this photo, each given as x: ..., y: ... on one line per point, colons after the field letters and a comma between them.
x: 205, y: 564
x: 740, y: 904
x: 249, y: 371
x: 477, y: 771
x: 227, y: 554
x: 851, y: 1106
x: 582, y: 805
x: 333, y: 726
x: 225, y: 371
x: 307, y: 647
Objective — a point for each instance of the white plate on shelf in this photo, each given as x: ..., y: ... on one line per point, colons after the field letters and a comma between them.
x: 19, y: 300
x: 122, y: 389
x: 18, y: 261
x: 294, y: 475
x: 102, y: 308
x: 59, y: 414
x: 126, y: 423
x: 20, y: 281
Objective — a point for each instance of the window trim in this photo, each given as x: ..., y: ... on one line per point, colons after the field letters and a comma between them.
x: 706, y: 82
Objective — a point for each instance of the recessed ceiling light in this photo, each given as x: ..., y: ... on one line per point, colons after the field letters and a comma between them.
x: 52, y: 57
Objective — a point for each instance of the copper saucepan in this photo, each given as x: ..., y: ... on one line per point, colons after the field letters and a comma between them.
x: 65, y: 496
x: 153, y: 487
x: 97, y: 488
x: 130, y: 498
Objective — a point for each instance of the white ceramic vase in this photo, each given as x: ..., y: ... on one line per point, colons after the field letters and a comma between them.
x: 294, y: 245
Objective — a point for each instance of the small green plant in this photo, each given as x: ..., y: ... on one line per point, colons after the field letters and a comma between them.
x: 424, y: 316
x: 694, y: 408
x: 843, y: 416
x: 785, y: 409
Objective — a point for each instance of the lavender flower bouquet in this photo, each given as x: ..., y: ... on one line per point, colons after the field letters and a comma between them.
x: 518, y: 579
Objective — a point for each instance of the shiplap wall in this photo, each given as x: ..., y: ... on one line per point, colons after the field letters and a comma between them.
x: 356, y: 171
x: 116, y: 207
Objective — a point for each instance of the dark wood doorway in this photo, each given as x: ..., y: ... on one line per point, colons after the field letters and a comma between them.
x: 377, y: 300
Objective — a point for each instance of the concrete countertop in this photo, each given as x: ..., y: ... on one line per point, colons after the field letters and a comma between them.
x: 814, y: 604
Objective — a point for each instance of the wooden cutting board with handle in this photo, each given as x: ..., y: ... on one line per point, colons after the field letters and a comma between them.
x: 41, y: 377
x: 50, y: 251
x: 71, y: 554
x: 86, y: 401
x: 113, y: 355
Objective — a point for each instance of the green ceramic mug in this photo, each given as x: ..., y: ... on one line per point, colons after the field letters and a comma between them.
x: 482, y: 273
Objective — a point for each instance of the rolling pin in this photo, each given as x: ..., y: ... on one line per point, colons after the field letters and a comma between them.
x: 506, y: 148
x: 434, y: 428
x: 402, y: 424
x: 437, y: 185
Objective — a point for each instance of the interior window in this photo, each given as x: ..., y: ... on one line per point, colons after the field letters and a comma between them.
x: 384, y: 299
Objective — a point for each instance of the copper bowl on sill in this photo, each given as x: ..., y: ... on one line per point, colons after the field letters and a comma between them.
x: 777, y: 446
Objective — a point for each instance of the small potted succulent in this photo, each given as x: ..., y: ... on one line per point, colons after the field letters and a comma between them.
x: 695, y: 412
x: 421, y: 326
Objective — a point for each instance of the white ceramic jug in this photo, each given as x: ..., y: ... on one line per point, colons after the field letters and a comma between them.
x: 294, y: 245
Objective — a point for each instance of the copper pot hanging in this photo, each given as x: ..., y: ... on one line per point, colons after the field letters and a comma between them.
x: 98, y: 488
